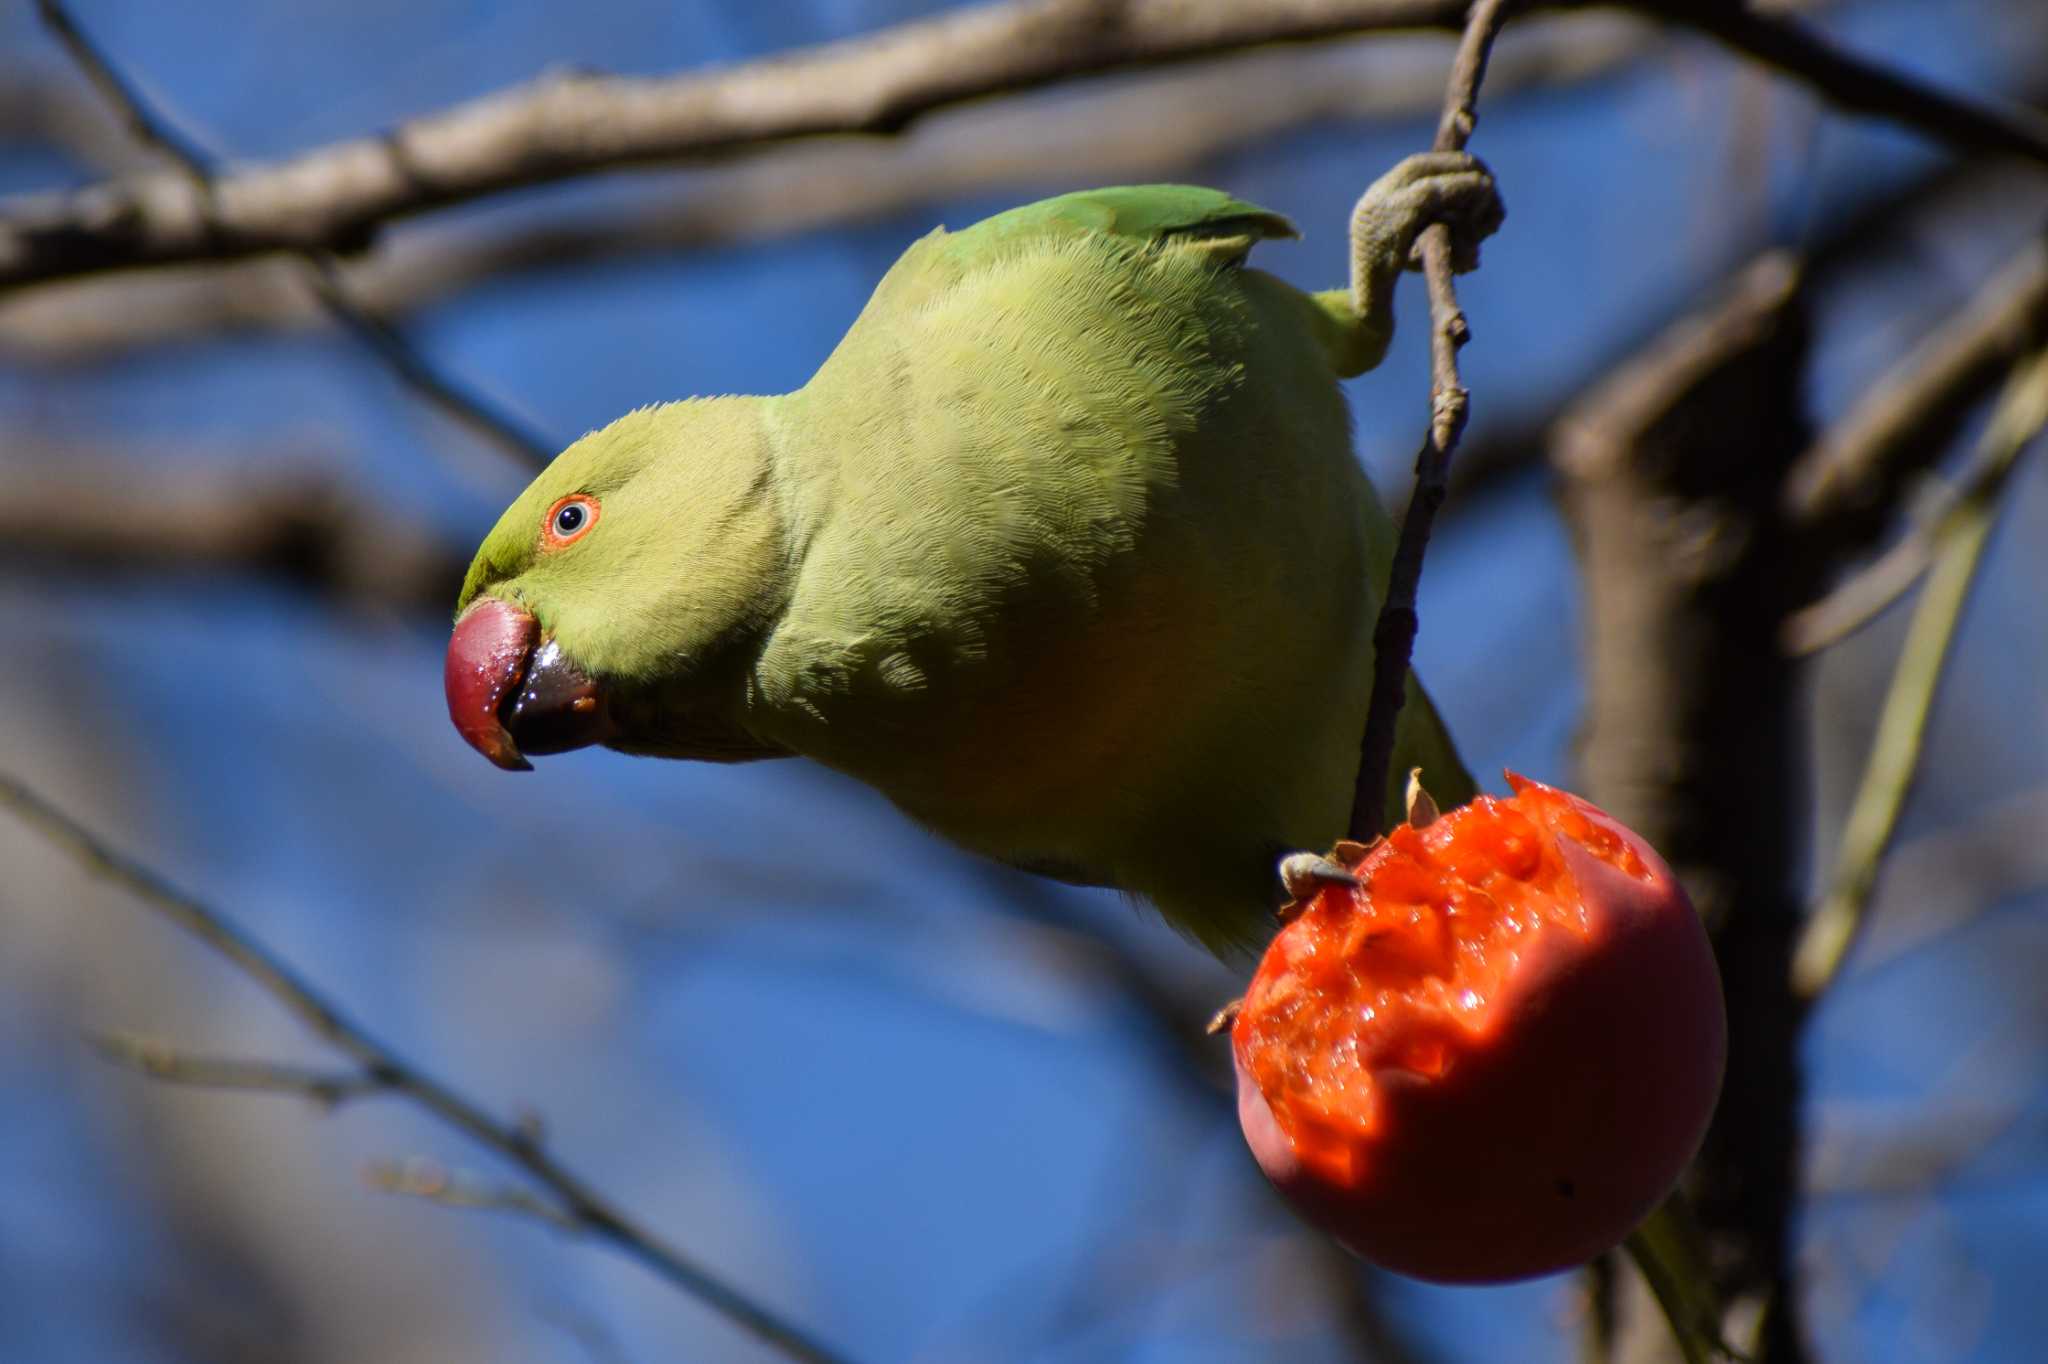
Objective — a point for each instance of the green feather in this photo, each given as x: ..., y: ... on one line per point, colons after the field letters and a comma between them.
x: 1064, y: 549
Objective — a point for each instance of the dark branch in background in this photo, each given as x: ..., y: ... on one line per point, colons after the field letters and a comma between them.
x: 1859, y: 85
x: 1902, y: 725
x: 1394, y: 632
x: 1671, y: 475
x: 122, y: 97
x: 379, y: 1070
x: 159, y: 1060
x: 76, y: 509
x: 336, y: 198
x: 1160, y: 125
x: 1867, y: 593
x: 1846, y: 487
x: 322, y: 274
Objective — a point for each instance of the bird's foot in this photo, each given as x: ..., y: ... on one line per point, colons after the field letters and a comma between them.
x: 1452, y: 188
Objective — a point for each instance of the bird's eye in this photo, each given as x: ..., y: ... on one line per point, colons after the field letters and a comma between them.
x: 568, y: 520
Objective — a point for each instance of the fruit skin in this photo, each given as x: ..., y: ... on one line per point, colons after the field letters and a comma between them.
x: 1565, y: 1114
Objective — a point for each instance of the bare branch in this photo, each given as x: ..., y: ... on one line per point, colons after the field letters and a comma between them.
x: 1874, y: 588
x: 1394, y: 632
x: 1857, y: 84
x: 1160, y: 124
x: 260, y: 512
x: 1851, y: 477
x: 1902, y: 724
x: 519, y: 1141
x: 1670, y: 474
x: 1866, y: 594
x: 325, y: 279
x: 121, y: 96
x: 436, y: 1183
x: 161, y: 1060
x: 336, y: 198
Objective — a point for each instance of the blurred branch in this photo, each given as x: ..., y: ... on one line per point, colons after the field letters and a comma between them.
x: 160, y: 1060
x: 323, y: 277
x: 1393, y: 634
x: 579, y: 1205
x: 336, y: 198
x: 1868, y: 592
x: 1858, y: 84
x: 1902, y: 724
x: 140, y: 121
x: 41, y: 109
x: 75, y: 508
x: 1947, y: 879
x: 435, y: 1183
x: 1874, y: 588
x: 1157, y: 125
x: 1847, y: 484
x: 1170, y: 1014
x: 1670, y: 473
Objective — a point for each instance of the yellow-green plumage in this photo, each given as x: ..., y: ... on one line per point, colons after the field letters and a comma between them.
x: 1064, y: 550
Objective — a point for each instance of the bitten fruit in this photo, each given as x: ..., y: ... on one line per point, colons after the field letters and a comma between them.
x: 1496, y: 1054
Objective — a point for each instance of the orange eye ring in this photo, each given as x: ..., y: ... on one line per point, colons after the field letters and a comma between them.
x: 568, y: 520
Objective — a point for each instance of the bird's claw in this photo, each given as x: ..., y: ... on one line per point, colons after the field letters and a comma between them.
x: 1454, y: 189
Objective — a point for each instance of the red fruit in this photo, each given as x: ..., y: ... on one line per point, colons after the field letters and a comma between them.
x: 1495, y: 1056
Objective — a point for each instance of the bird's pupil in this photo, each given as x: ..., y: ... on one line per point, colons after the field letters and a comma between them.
x: 568, y: 519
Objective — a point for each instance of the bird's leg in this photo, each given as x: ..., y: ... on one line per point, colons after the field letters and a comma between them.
x: 1452, y: 188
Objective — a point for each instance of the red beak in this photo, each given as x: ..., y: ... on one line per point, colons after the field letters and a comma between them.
x: 511, y: 693
x: 486, y: 659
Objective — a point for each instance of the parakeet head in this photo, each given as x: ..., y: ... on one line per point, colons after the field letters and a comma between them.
x: 612, y: 600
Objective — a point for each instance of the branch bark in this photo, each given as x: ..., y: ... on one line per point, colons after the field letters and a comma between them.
x: 379, y: 1067
x: 1671, y: 479
x: 76, y: 509
x: 1393, y: 634
x: 1846, y: 487
x: 337, y: 198
x: 1158, y: 126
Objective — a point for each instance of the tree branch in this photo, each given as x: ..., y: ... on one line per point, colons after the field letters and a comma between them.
x: 1902, y: 724
x: 1671, y: 477
x: 76, y: 508
x: 160, y: 1060
x: 436, y: 1183
x: 381, y: 1068
x: 1162, y: 125
x: 1844, y: 488
x: 336, y: 198
x: 1859, y: 85
x: 1394, y: 632
x: 322, y: 275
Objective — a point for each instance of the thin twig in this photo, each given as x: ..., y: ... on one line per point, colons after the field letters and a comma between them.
x: 323, y: 275
x: 160, y: 1060
x: 121, y: 96
x: 336, y: 198
x: 436, y: 1183
x: 275, y: 508
x: 1394, y: 632
x: 1874, y: 588
x: 1868, y: 593
x: 1166, y: 125
x: 1858, y: 84
x: 1906, y: 418
x: 1902, y: 724
x: 518, y: 1141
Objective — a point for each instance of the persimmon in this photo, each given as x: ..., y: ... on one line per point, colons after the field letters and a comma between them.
x: 1496, y: 1053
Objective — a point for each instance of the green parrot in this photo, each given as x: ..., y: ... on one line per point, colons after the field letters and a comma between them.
x: 1064, y: 549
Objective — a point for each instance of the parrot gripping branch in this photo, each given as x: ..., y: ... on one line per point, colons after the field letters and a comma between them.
x: 1394, y: 632
x: 573, y: 1205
